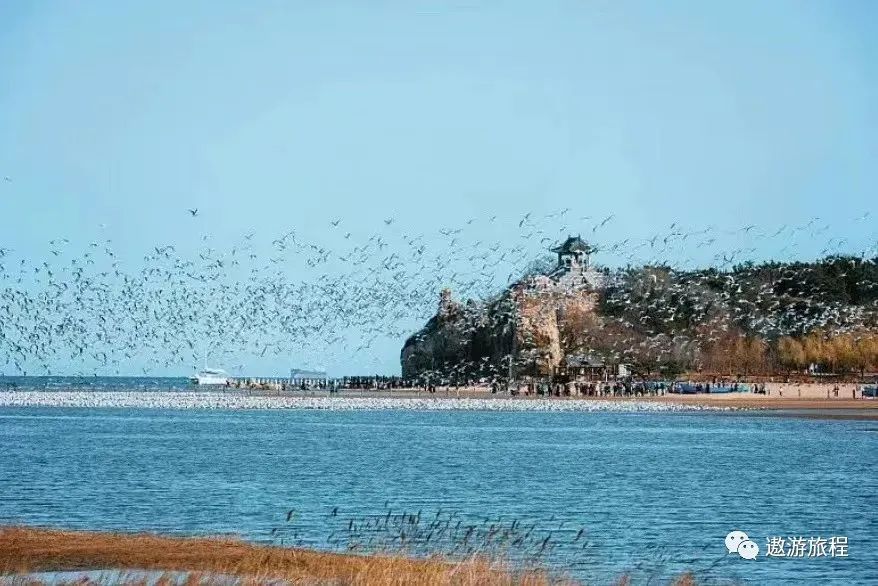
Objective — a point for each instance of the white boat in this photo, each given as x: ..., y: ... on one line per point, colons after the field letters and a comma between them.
x: 210, y: 376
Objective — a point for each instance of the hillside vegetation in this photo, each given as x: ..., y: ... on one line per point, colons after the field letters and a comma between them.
x: 752, y: 319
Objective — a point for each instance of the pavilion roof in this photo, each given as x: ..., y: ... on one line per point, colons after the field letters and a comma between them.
x: 574, y: 244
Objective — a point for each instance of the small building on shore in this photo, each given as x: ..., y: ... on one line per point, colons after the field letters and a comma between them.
x: 588, y: 367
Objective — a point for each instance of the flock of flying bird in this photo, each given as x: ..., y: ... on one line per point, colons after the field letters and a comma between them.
x: 84, y: 307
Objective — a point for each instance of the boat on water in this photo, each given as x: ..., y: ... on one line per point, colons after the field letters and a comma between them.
x: 210, y: 376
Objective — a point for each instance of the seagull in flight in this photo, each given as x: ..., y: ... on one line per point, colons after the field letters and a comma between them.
x: 194, y: 212
x: 604, y: 222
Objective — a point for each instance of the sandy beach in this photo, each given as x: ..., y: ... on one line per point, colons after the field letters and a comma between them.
x: 787, y: 399
x: 784, y: 406
x: 230, y: 400
x: 816, y: 400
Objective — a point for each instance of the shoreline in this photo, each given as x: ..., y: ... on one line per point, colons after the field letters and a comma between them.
x: 29, y: 553
x: 224, y: 400
x: 38, y: 556
x: 463, y: 400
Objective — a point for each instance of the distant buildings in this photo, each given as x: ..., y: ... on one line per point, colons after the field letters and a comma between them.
x: 299, y: 376
x: 588, y: 367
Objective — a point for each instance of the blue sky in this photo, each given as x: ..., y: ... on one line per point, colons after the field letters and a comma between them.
x: 115, y: 117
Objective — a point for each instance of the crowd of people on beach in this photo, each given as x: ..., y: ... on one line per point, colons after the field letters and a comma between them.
x: 617, y: 388
x: 332, y: 385
x: 533, y: 387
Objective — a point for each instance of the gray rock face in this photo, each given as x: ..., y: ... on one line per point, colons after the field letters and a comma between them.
x: 659, y: 319
x: 459, y: 341
x: 524, y: 325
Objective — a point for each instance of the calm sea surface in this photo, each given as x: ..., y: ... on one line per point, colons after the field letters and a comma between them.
x: 650, y: 494
x: 95, y: 383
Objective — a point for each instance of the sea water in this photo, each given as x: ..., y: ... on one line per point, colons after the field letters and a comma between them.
x: 648, y: 494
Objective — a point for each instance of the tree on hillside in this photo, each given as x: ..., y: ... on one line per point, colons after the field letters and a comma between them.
x: 791, y: 354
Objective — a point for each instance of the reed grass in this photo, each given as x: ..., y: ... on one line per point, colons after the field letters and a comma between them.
x: 215, y: 561
x: 26, y: 550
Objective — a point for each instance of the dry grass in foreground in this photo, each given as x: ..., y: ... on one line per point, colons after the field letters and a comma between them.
x: 25, y: 550
x: 212, y: 561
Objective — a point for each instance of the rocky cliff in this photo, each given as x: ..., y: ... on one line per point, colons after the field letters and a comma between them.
x: 524, y: 324
x: 658, y: 319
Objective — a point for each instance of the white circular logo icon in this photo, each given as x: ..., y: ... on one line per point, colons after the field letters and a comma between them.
x: 734, y: 540
x: 748, y: 550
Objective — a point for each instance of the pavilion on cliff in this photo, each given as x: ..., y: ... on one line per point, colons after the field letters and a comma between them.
x: 574, y: 253
x: 574, y: 271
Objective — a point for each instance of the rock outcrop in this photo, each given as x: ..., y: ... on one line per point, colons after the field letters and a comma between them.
x: 519, y: 329
x: 765, y: 318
